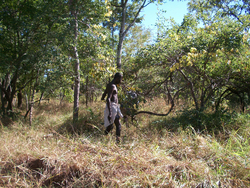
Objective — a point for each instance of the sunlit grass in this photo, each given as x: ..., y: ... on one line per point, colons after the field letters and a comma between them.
x: 53, y: 153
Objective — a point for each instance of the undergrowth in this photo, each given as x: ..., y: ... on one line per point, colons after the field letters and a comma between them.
x: 155, y: 152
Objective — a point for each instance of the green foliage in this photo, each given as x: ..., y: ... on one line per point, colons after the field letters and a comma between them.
x: 69, y: 95
x: 237, y: 10
x: 200, y: 120
x: 115, y: 18
x: 37, y: 44
x: 137, y: 38
x: 206, y: 64
x: 26, y: 43
x: 200, y: 62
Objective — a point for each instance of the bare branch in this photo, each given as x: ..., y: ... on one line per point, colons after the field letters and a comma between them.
x: 191, y: 88
x: 157, y: 114
x: 137, y: 14
x: 155, y: 86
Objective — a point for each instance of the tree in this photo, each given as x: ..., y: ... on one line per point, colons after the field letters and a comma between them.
x: 74, y: 13
x: 138, y: 37
x: 238, y: 10
x: 129, y: 15
x: 83, y: 14
x: 196, y: 63
x: 26, y: 32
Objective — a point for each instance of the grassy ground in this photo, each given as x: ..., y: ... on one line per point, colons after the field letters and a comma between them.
x: 155, y: 152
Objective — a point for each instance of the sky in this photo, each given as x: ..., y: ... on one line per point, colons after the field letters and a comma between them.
x: 175, y: 9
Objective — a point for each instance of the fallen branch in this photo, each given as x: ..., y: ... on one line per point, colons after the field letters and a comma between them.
x: 171, y: 108
x: 156, y: 114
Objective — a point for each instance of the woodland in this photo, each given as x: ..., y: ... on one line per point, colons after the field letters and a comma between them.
x: 185, y: 91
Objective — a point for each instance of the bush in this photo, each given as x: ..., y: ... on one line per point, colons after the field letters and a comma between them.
x: 199, y: 120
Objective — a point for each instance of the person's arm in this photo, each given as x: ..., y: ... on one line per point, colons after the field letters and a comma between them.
x: 104, y: 94
x: 110, y: 90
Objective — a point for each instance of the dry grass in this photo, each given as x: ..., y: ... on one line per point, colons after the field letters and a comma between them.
x: 52, y: 153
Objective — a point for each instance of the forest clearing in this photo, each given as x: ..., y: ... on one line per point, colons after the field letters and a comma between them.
x: 154, y: 152
x: 184, y: 88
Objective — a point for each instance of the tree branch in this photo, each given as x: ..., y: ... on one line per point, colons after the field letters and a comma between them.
x: 171, y: 108
x: 137, y: 14
x: 191, y: 88
x: 155, y: 86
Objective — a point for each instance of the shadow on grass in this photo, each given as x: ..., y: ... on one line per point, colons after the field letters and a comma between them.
x: 89, y: 123
x: 5, y: 121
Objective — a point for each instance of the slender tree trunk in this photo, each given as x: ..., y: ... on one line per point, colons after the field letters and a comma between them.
x: 2, y: 101
x: 8, y: 95
x: 77, y: 73
x: 27, y: 101
x: 27, y: 104
x: 123, y: 30
x: 31, y: 106
x: 121, y: 34
x: 19, y: 99
x: 32, y: 99
x: 119, y: 54
x: 63, y: 95
x: 87, y: 92
x: 41, y: 97
x: 76, y: 89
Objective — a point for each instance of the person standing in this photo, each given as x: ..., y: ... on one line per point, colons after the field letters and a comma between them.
x: 112, y: 112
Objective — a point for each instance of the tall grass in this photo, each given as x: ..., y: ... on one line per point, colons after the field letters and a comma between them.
x: 154, y: 152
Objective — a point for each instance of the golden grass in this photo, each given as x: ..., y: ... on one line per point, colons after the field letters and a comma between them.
x: 48, y: 154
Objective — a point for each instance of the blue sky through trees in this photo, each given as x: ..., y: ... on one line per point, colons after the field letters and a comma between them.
x: 174, y: 9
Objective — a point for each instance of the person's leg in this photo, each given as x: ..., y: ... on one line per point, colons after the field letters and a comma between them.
x: 118, y: 128
x: 108, y: 129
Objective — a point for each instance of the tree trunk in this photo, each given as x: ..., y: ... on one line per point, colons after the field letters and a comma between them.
x: 41, y: 98
x: 32, y: 99
x: 19, y: 99
x: 63, y: 95
x: 4, y: 92
x: 8, y: 94
x: 77, y: 73
x: 124, y: 31
x: 27, y: 101
x: 31, y: 106
x: 87, y: 92
x: 119, y: 53
x: 76, y: 88
x: 2, y: 101
x: 121, y: 34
